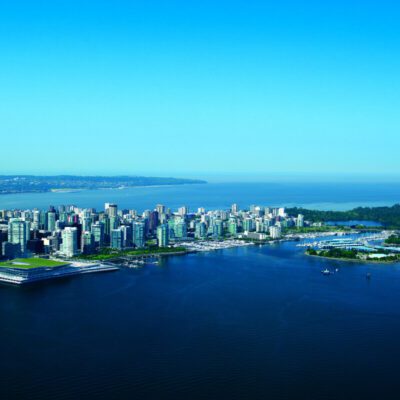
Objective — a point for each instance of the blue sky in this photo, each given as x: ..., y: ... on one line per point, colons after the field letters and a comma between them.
x: 239, y: 88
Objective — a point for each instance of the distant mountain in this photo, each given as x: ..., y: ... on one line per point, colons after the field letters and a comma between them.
x: 31, y: 183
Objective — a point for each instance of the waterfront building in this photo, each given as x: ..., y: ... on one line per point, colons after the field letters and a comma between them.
x: 69, y: 247
x: 163, y: 235
x: 300, y: 221
x: 52, y: 243
x: 200, y: 230
x: 116, y: 240
x: 153, y: 221
x: 259, y: 225
x: 87, y: 245
x: 248, y: 225
x: 28, y: 270
x: 18, y: 233
x: 10, y: 250
x: 218, y: 228
x: 171, y: 228
x: 126, y: 235
x: 232, y: 227
x: 275, y: 232
x: 97, y: 230
x: 138, y: 234
x: 180, y: 229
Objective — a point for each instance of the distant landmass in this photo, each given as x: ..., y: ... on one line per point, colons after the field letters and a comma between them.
x: 35, y: 184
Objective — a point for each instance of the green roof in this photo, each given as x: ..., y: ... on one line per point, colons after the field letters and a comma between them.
x: 29, y: 263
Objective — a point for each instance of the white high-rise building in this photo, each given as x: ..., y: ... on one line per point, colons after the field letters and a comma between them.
x: 275, y: 232
x: 281, y: 212
x: 234, y: 208
x: 70, y: 241
x: 300, y: 221
x: 182, y: 211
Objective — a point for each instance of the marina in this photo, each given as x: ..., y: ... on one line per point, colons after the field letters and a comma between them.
x: 367, y: 243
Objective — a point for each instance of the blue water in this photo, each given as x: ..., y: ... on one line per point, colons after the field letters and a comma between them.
x: 220, y: 195
x: 370, y: 224
x: 247, y: 323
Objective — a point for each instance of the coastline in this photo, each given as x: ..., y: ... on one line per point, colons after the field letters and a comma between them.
x: 73, y: 190
x: 352, y: 259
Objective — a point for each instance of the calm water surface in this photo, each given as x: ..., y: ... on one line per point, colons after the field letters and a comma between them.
x: 247, y: 323
x: 219, y: 195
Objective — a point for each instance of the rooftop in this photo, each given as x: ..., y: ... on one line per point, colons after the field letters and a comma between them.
x: 30, y: 263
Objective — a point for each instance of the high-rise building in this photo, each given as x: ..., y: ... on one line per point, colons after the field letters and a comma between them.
x: 180, y: 229
x: 218, y: 228
x: 160, y: 209
x: 51, y: 221
x: 259, y: 225
x: 43, y: 220
x: 18, y: 233
x: 97, y: 230
x: 163, y: 235
x: 200, y: 230
x: 281, y: 212
x: 36, y: 219
x: 153, y: 221
x: 300, y: 221
x: 86, y: 223
x: 138, y: 234
x: 116, y: 240
x: 234, y: 208
x: 232, y: 226
x: 87, y: 244
x: 70, y: 241
x: 248, y: 225
x: 275, y: 232
x: 126, y: 235
x: 182, y: 211
x: 112, y: 210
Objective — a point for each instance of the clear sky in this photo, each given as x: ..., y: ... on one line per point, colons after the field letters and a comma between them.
x: 199, y: 87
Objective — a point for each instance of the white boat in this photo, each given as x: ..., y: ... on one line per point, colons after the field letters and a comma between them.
x: 326, y: 272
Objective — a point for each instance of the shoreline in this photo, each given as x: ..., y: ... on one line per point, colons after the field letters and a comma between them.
x: 73, y: 190
x: 352, y: 259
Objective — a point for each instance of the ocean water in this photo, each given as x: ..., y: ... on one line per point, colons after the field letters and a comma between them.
x: 244, y: 323
x: 219, y: 195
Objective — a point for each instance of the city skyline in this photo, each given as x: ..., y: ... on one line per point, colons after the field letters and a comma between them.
x: 200, y: 90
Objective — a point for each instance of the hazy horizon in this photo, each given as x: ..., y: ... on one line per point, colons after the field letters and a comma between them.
x: 243, y: 177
